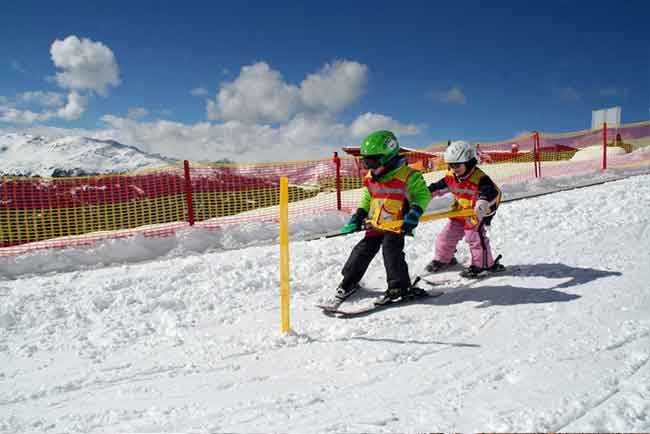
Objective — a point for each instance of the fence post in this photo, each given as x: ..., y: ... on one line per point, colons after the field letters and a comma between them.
x: 536, y: 153
x: 604, y: 145
x: 188, y: 193
x: 337, y: 162
x: 539, y: 156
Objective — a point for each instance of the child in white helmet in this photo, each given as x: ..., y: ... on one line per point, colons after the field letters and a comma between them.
x: 472, y: 189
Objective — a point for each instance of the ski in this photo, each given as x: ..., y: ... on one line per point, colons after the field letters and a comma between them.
x: 379, y: 303
x: 330, y: 305
x: 458, y: 281
x: 461, y: 279
x: 465, y: 282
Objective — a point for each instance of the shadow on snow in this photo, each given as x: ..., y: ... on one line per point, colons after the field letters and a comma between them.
x: 504, y: 295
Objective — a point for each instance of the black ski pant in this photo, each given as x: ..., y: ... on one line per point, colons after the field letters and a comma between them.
x: 392, y: 247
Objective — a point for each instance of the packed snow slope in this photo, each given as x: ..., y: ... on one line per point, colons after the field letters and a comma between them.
x: 191, y: 341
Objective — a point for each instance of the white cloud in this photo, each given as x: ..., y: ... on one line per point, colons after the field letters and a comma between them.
x: 312, y: 131
x: 454, y: 95
x: 263, y: 118
x: 45, y: 99
x: 305, y: 136
x: 86, y: 65
x: 199, y: 91
x: 369, y: 122
x: 137, y: 112
x: 15, y: 116
x: 73, y: 109
x: 335, y: 86
x: 204, y: 141
x: 259, y: 93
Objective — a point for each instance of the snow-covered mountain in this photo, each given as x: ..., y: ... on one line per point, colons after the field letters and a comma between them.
x: 24, y: 154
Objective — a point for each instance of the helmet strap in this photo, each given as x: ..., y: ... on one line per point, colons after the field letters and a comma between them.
x: 470, y: 165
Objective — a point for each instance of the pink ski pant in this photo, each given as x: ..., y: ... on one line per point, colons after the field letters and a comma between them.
x: 476, y: 238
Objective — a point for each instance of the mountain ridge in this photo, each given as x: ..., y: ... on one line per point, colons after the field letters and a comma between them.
x: 24, y: 154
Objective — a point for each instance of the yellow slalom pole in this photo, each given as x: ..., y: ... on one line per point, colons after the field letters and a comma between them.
x: 284, y: 252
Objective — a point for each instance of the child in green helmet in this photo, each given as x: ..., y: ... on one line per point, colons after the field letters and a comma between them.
x: 392, y: 191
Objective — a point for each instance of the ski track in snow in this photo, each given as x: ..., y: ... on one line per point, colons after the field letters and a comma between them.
x: 194, y: 344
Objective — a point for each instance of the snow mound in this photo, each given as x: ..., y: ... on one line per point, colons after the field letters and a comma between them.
x: 596, y: 152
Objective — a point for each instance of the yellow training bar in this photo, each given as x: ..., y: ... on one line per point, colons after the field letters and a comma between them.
x: 396, y: 226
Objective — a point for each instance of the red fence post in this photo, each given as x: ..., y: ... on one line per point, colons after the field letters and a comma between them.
x: 604, y: 145
x: 535, y: 153
x: 535, y: 145
x: 539, y: 155
x: 188, y: 193
x: 337, y: 162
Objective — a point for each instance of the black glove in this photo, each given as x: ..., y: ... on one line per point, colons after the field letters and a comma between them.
x: 432, y: 187
x: 356, y: 221
x: 411, y: 219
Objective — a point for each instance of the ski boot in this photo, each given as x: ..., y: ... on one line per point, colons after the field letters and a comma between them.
x: 397, y: 294
x: 436, y: 266
x: 391, y: 295
x: 344, y: 293
x: 340, y: 296
x: 474, y: 272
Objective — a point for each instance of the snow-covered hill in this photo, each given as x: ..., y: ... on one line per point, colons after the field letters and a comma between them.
x: 127, y: 340
x: 23, y: 154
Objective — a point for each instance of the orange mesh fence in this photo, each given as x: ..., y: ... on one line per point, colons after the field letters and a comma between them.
x: 37, y: 209
x: 244, y: 193
x: 37, y: 213
x: 632, y: 142
x: 625, y: 148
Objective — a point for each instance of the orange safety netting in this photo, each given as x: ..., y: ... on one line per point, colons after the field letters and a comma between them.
x: 37, y: 213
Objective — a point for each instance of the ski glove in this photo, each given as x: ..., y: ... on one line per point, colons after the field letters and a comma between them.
x: 436, y: 189
x: 411, y: 220
x: 481, y: 208
x: 356, y: 221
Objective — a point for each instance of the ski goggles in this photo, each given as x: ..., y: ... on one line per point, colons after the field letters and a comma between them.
x: 371, y: 161
x: 455, y: 165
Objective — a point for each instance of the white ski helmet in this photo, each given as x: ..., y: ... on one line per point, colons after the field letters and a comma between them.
x: 459, y: 151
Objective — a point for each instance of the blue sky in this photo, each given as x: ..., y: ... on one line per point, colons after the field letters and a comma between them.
x: 279, y: 80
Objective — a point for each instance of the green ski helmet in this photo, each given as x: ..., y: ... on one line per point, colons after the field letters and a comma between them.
x: 382, y: 145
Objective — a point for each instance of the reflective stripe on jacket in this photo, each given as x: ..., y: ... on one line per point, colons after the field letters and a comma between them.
x: 388, y: 198
x: 466, y: 193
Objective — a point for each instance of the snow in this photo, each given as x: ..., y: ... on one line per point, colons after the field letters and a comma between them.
x: 596, y: 153
x: 183, y: 334
x: 25, y: 154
